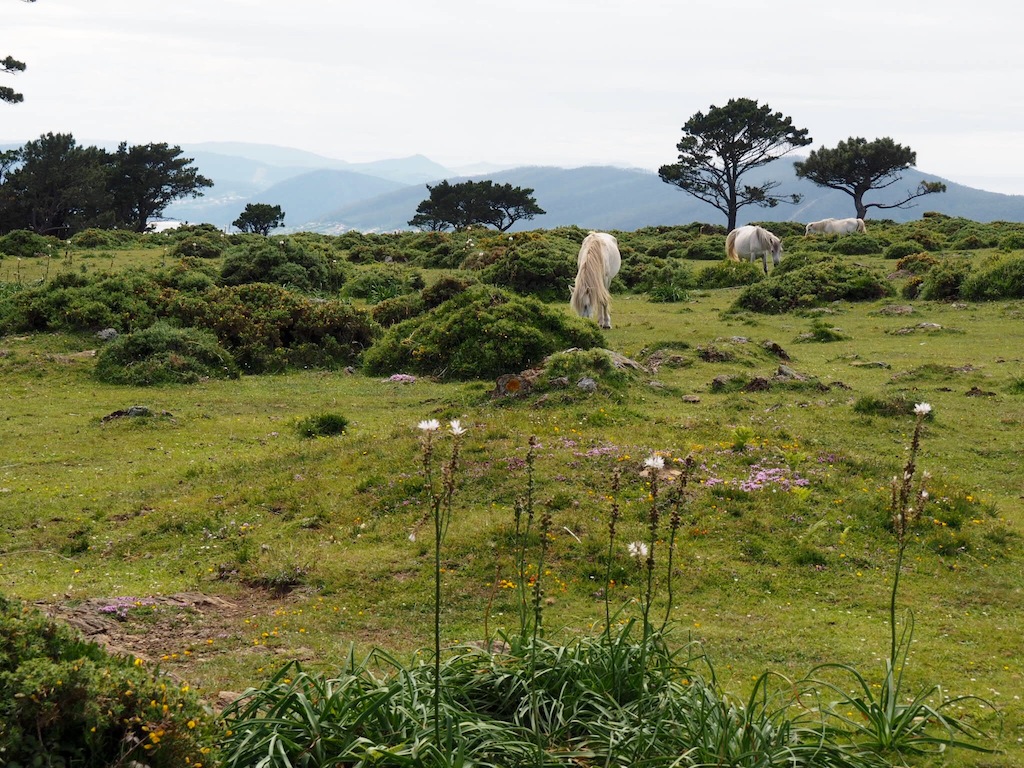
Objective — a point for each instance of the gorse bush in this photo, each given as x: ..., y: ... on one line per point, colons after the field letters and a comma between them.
x: 322, y: 425
x: 829, y: 279
x: 856, y: 245
x: 943, y: 280
x: 1001, y: 279
x: 728, y: 274
x: 284, y: 261
x: 65, y: 701
x: 23, y: 244
x: 377, y: 282
x: 706, y: 248
x: 72, y: 302
x: 163, y: 354
x: 268, y: 328
x: 901, y: 249
x: 535, y: 268
x: 480, y: 333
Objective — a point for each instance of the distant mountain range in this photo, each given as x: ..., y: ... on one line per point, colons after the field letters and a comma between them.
x: 322, y: 194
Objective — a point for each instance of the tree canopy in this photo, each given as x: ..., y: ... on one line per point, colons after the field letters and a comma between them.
x: 55, y: 186
x: 259, y: 218
x: 474, y: 202
x: 11, y: 66
x: 719, y: 147
x: 857, y: 166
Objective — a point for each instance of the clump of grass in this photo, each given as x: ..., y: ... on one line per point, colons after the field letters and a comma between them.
x: 869, y: 405
x: 322, y: 425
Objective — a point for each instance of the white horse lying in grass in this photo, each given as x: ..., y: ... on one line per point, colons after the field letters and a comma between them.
x: 752, y: 241
x: 598, y: 263
x: 835, y: 227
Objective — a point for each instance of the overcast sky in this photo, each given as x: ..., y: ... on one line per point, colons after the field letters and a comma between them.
x: 538, y: 82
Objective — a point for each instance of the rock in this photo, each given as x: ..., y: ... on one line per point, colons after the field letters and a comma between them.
x: 976, y: 392
x: 133, y: 412
x: 775, y: 349
x: 107, y: 334
x: 691, y: 399
x: 871, y: 364
x: 587, y: 384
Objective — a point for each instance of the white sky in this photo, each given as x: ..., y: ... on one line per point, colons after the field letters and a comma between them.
x: 538, y: 82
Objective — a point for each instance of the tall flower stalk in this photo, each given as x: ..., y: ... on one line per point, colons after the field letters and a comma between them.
x: 613, y: 522
x: 655, y: 464
x: 440, y: 508
x: 906, y: 507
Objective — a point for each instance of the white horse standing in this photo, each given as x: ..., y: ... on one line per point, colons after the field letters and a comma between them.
x: 751, y: 241
x: 598, y: 263
x: 835, y: 227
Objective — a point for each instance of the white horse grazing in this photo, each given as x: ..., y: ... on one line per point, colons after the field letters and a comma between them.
x: 835, y: 227
x: 598, y: 262
x: 751, y: 241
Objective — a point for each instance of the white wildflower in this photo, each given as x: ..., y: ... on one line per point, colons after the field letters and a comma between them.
x: 638, y: 550
x: 429, y: 425
x: 654, y: 461
x: 456, y: 428
x: 412, y: 536
x: 922, y: 409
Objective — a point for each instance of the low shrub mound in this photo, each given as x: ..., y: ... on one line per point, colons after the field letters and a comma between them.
x: 163, y: 354
x: 728, y: 274
x: 1001, y: 279
x: 65, y: 701
x: 378, y: 282
x: 322, y: 425
x: 24, y: 244
x: 76, y: 302
x: 943, y: 281
x: 543, y: 269
x: 268, y: 328
x: 857, y: 245
x: 818, y: 282
x: 285, y: 262
x: 480, y: 333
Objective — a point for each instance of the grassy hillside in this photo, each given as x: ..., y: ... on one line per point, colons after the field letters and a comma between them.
x: 212, y: 538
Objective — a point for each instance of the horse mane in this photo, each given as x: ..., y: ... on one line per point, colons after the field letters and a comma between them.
x: 590, y: 277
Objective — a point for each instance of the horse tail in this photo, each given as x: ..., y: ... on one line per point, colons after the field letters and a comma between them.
x: 590, y: 276
x: 730, y: 246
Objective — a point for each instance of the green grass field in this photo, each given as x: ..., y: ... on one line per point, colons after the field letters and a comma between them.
x: 276, y: 547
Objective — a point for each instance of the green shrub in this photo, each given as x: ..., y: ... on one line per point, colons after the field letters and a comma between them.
x: 74, y: 302
x: 163, y: 354
x: 268, y: 328
x: 944, y: 279
x: 901, y: 249
x: 856, y: 245
x: 478, y: 334
x: 282, y: 261
x: 205, y: 246
x: 65, y: 701
x: 25, y: 244
x: 578, y: 363
x: 398, y: 308
x: 706, y: 248
x: 823, y: 333
x: 446, y: 287
x: 918, y: 263
x: 378, y: 282
x: 971, y: 242
x: 188, y: 274
x: 540, y: 268
x: 912, y: 288
x: 830, y: 279
x: 869, y: 405
x: 322, y: 425
x: 1002, y: 279
x: 666, y: 281
x: 1011, y: 242
x: 727, y: 274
